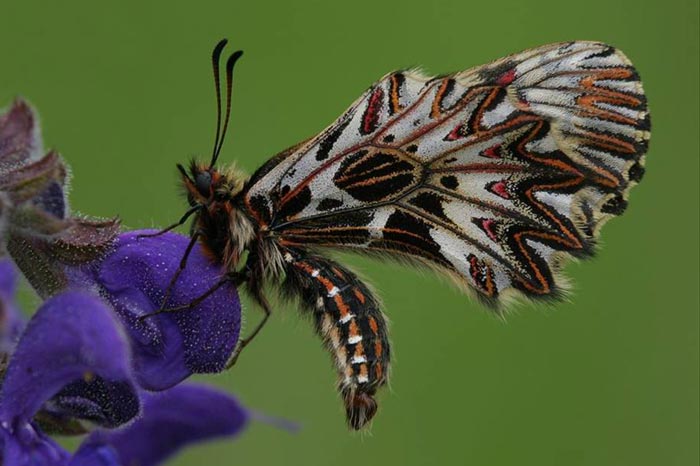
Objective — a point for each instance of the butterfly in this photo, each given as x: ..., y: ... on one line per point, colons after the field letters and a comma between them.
x: 492, y: 176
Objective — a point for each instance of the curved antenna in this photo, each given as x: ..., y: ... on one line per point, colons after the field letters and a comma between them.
x: 229, y: 88
x: 215, y: 58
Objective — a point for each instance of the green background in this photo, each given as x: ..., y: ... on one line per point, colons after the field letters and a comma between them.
x: 610, y: 378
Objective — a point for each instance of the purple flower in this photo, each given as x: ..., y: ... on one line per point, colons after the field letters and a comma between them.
x: 73, y: 366
x: 88, y: 362
x: 169, y: 347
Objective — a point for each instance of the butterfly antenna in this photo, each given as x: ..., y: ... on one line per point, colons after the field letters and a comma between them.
x: 215, y: 58
x: 230, y: 63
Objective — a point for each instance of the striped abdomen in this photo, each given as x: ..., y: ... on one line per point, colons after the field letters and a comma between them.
x: 353, y: 328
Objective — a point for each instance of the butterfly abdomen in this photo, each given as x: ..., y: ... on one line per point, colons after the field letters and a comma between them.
x: 348, y: 318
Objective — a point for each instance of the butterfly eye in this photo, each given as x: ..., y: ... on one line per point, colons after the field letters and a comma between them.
x: 203, y: 183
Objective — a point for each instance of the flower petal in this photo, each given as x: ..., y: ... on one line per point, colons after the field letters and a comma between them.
x: 96, y: 455
x: 8, y: 280
x: 169, y: 347
x: 171, y: 419
x: 73, y: 336
x: 102, y: 402
x: 11, y: 321
x: 27, y: 446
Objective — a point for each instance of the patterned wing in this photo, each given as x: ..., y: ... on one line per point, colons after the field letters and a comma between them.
x: 494, y: 174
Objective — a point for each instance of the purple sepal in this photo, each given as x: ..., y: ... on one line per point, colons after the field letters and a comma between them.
x: 20, y: 140
x: 169, y: 347
x: 185, y: 414
x: 36, y: 227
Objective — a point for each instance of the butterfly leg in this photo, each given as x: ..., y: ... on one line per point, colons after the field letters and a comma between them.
x: 181, y: 267
x: 176, y: 275
x: 353, y: 328
x: 233, y: 278
x: 265, y: 306
x: 182, y: 221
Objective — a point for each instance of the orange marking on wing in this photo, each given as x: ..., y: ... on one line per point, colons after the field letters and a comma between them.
x: 376, y: 179
x: 436, y: 110
x: 610, y: 142
x: 546, y: 160
x: 619, y: 97
x: 360, y: 297
x: 538, y: 274
x: 481, y: 167
x: 611, y: 73
x: 574, y: 242
x: 362, y: 159
x: 351, y: 179
x: 607, y: 180
x: 395, y: 104
x: 484, y: 105
x: 588, y: 102
x: 490, y: 286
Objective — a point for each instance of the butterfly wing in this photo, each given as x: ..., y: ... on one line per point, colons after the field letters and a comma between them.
x: 494, y: 174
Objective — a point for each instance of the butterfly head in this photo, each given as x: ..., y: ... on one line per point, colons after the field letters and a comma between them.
x: 206, y: 185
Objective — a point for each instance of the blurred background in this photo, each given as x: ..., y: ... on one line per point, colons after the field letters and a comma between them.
x: 610, y: 378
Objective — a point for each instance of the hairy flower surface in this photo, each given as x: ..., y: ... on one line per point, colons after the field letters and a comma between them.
x: 170, y: 346
x: 36, y: 226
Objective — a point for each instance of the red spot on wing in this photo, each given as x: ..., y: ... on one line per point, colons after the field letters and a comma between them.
x: 500, y: 188
x: 482, y: 275
x: 487, y: 225
x: 506, y: 78
x: 370, y: 120
x: 474, y: 268
x: 493, y: 152
x: 455, y: 134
